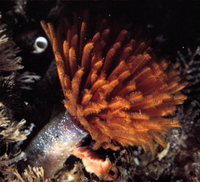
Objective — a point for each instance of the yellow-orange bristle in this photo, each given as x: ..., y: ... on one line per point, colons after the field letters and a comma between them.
x: 118, y: 91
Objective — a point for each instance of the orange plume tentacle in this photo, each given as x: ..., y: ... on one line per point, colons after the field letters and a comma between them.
x: 118, y: 94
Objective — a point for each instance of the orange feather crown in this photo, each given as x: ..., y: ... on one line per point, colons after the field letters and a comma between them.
x: 119, y: 100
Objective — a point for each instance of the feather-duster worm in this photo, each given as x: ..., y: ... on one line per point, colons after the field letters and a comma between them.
x: 116, y: 90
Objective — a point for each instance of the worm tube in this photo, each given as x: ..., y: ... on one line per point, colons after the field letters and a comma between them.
x: 54, y: 143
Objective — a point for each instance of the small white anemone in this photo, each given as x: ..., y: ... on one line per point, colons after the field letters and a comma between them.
x: 40, y: 45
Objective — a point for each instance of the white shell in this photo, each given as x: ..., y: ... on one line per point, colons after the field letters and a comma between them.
x: 40, y: 45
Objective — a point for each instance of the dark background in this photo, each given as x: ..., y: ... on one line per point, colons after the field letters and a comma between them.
x: 178, y: 22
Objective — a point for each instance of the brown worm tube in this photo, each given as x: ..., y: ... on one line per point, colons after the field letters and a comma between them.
x: 54, y: 143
